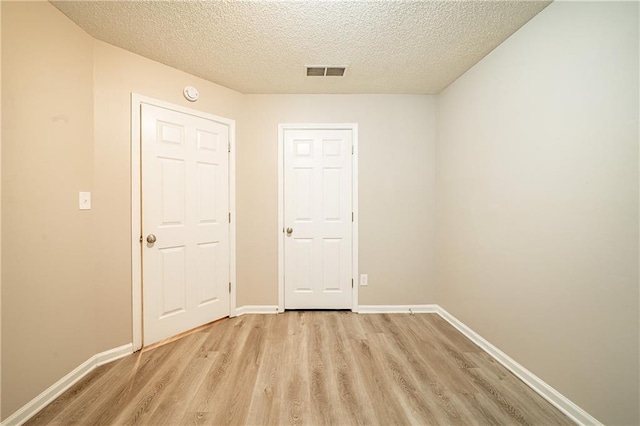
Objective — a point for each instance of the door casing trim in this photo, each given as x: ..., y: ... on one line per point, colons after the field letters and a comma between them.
x: 353, y: 127
x: 136, y: 208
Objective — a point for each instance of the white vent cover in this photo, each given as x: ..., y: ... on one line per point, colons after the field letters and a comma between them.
x: 325, y: 71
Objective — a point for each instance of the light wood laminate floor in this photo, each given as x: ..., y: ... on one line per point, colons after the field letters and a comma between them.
x: 314, y: 368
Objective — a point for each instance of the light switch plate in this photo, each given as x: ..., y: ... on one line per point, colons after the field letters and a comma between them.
x: 85, y: 201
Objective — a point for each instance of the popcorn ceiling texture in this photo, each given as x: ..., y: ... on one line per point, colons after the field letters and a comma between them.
x: 262, y: 47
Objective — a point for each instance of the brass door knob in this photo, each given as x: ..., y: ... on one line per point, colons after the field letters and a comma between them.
x: 289, y: 231
x: 151, y: 238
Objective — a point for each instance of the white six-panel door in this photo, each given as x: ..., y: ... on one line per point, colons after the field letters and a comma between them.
x: 317, y: 219
x: 185, y: 205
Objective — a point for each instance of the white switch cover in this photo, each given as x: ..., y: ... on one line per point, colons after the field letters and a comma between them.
x: 364, y: 279
x: 85, y: 201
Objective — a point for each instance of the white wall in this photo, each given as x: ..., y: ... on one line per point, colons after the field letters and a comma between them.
x: 538, y: 202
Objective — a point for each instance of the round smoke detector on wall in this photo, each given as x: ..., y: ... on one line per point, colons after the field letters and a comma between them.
x: 190, y: 93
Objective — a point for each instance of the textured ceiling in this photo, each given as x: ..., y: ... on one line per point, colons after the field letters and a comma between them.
x: 263, y: 46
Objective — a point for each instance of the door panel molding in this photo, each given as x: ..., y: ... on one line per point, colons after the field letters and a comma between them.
x: 136, y: 218
x: 353, y: 127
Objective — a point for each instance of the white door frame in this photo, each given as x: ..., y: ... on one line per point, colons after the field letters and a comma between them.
x: 136, y: 212
x: 354, y: 202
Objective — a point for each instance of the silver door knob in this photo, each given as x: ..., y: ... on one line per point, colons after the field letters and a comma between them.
x: 151, y: 238
x: 289, y: 231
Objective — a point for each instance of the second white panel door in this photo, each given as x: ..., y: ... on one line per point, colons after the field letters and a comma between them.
x: 185, y: 203
x: 318, y: 219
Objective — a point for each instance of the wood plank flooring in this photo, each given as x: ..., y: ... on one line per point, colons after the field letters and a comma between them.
x: 306, y: 368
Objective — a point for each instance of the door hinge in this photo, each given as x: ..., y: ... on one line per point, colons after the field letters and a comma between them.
x: 228, y: 146
x: 351, y: 282
x: 229, y: 217
x: 352, y: 217
x: 352, y: 149
x: 229, y: 288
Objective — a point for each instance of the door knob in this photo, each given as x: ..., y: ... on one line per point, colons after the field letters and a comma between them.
x: 151, y: 238
x: 289, y: 231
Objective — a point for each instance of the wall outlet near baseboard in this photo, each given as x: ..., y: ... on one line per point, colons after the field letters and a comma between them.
x: 364, y: 279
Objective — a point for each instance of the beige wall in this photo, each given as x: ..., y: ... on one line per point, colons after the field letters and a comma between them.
x: 117, y: 74
x: 0, y: 216
x: 538, y: 196
x: 397, y: 191
x: 397, y: 142
x: 538, y: 202
x: 66, y: 128
x: 48, y: 297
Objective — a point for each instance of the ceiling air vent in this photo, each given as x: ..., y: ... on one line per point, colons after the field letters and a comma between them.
x: 335, y: 71
x: 315, y: 71
x: 325, y: 71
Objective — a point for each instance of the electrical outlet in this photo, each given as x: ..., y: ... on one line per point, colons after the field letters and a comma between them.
x: 364, y: 279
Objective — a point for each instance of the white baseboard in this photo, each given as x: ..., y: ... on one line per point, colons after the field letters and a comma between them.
x: 45, y: 398
x: 561, y: 402
x: 398, y: 309
x: 256, y: 309
x: 113, y: 354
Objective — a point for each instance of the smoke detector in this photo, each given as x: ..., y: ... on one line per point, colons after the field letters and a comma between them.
x: 191, y: 93
x: 325, y: 71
